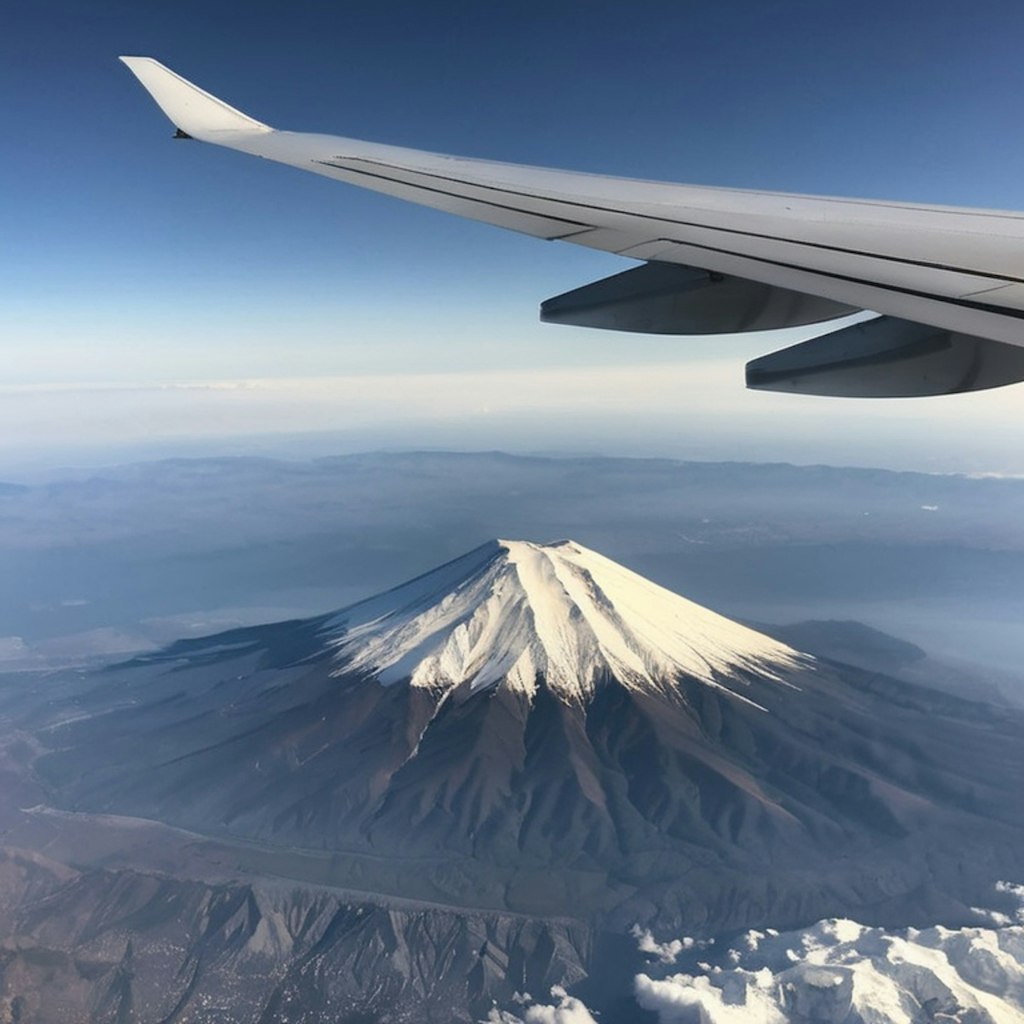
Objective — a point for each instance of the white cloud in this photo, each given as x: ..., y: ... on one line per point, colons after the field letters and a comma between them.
x: 564, y: 1009
x: 733, y: 998
x: 666, y: 952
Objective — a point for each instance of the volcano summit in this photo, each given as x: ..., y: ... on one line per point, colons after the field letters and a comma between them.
x: 522, y: 615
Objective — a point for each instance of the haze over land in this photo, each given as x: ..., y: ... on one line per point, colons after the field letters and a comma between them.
x: 107, y: 561
x: 679, y: 398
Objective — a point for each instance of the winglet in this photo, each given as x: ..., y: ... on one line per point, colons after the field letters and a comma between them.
x: 193, y: 111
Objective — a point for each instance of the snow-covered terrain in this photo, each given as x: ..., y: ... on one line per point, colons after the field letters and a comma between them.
x: 835, y: 972
x: 517, y: 612
x: 843, y: 972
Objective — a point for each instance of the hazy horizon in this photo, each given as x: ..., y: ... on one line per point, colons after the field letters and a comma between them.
x: 679, y: 410
x: 119, y: 558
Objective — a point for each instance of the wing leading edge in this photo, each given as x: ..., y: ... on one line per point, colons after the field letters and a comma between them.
x: 948, y: 282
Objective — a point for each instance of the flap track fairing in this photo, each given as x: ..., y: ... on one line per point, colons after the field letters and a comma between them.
x: 665, y: 298
x: 888, y: 358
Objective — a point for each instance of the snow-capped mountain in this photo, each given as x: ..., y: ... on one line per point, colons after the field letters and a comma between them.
x: 536, y: 728
x: 476, y: 785
x: 559, y: 615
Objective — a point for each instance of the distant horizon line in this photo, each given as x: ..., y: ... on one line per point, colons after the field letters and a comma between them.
x: 401, y: 450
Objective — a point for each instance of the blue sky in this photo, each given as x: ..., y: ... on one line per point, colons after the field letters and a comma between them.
x: 132, y: 260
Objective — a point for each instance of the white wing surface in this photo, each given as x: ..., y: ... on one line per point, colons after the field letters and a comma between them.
x: 948, y: 283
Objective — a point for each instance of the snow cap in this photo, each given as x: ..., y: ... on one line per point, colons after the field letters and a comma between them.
x: 519, y: 614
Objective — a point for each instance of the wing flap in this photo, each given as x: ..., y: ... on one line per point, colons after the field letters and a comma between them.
x: 962, y: 315
x: 888, y: 358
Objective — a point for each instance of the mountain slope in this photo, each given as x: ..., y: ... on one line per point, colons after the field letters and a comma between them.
x: 535, y: 728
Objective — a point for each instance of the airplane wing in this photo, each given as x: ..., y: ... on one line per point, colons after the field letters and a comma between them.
x: 948, y: 283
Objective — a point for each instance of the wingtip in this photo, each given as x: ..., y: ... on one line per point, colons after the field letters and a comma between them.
x: 131, y: 61
x: 192, y: 111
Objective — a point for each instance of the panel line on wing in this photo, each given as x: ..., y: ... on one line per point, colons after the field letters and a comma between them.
x: 345, y: 163
x: 981, y: 307
x: 953, y: 300
x: 576, y: 227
